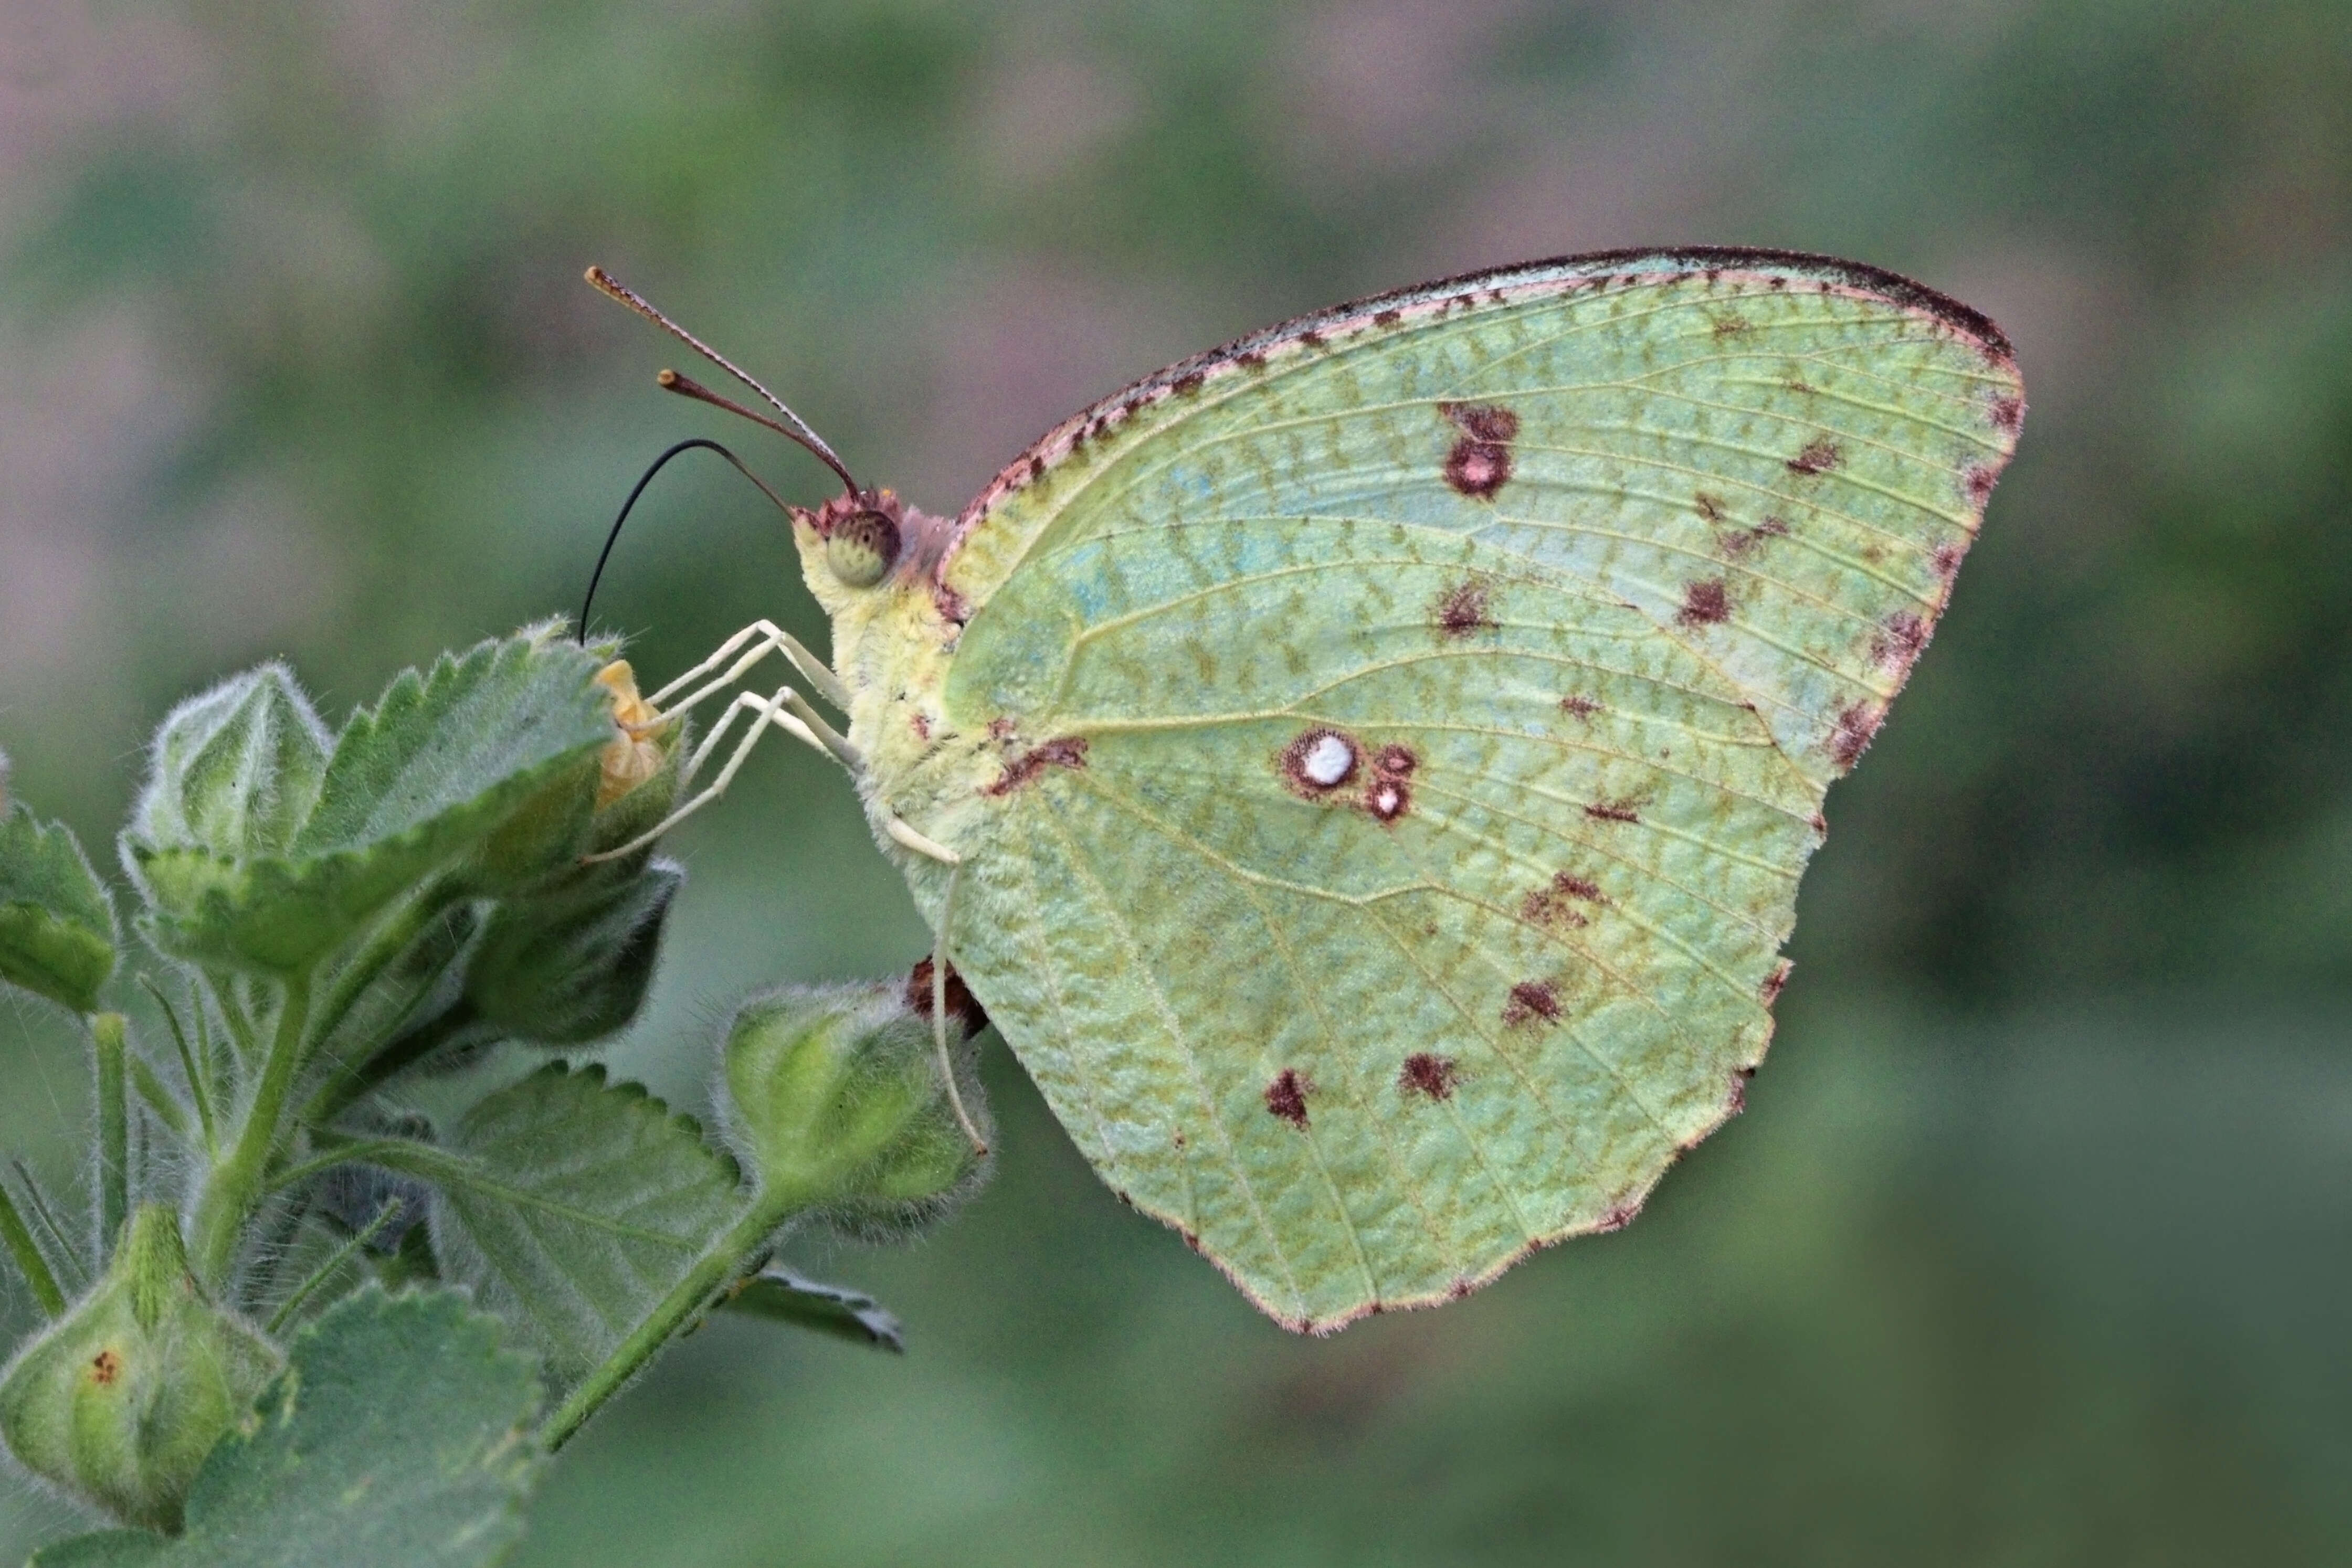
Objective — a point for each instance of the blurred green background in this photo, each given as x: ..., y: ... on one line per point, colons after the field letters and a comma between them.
x: 2035, y: 1243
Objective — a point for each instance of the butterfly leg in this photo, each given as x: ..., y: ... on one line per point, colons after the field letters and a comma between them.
x: 940, y: 1011
x: 765, y: 637
x: 786, y: 711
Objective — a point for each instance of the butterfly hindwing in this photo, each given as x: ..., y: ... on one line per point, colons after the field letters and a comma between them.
x: 1427, y: 709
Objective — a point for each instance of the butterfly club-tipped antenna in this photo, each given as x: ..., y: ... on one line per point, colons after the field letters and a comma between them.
x: 793, y: 427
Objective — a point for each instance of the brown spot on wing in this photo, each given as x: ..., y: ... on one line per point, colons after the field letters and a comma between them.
x: 1948, y: 559
x: 1818, y: 456
x: 1480, y: 463
x: 1732, y: 325
x: 1387, y: 318
x: 1461, y: 609
x: 1387, y: 799
x: 1064, y: 751
x: 105, y: 1367
x: 1532, y: 1001
x: 1550, y: 905
x: 1612, y: 812
x: 1579, y: 706
x: 1397, y: 761
x: 1287, y: 1096
x: 1899, y: 641
x: 1776, y: 980
x: 1709, y: 507
x: 1978, y: 482
x: 1424, y: 1074
x: 2008, y: 413
x: 1187, y: 384
x: 1703, y: 603
x: 1855, y: 728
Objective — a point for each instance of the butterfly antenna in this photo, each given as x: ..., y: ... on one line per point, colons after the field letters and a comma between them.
x: 799, y: 431
x: 614, y: 537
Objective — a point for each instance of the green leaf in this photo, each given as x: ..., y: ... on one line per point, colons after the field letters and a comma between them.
x: 782, y: 1296
x: 572, y: 964
x: 399, y: 1438
x: 441, y: 764
x: 56, y: 926
x: 583, y: 1205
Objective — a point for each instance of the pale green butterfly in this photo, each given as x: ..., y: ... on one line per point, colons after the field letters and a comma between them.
x: 1364, y: 771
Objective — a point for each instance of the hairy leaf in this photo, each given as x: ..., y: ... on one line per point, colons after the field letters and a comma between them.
x: 572, y: 964
x: 399, y: 1438
x: 582, y: 1205
x: 438, y: 766
x: 56, y: 926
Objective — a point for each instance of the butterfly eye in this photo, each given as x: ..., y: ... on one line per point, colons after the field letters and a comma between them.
x: 861, y: 548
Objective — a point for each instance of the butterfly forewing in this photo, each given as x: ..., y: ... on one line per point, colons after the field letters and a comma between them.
x: 1433, y: 703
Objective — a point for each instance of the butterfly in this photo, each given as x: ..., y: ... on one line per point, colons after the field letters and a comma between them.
x: 1364, y: 771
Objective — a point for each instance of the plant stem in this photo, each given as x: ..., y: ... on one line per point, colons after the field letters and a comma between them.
x: 728, y: 1259
x: 61, y: 1250
x: 196, y: 1064
x: 319, y: 1276
x: 347, y: 1087
x: 163, y: 1103
x: 387, y: 942
x: 230, y: 1190
x: 28, y: 1253
x: 106, y: 1031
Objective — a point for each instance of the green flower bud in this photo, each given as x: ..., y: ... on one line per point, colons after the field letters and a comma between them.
x: 120, y: 1400
x: 836, y: 1104
x: 236, y: 771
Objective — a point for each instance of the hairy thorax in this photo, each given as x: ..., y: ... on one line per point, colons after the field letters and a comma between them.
x: 892, y: 645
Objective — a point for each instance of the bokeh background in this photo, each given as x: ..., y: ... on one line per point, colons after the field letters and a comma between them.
x: 2035, y: 1242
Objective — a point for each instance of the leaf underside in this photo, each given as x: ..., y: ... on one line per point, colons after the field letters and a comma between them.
x: 785, y: 1297
x: 1600, y: 574
x: 587, y: 1204
x: 399, y: 1438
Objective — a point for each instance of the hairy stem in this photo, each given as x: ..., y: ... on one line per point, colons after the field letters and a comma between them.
x: 27, y: 1254
x: 386, y: 943
x: 162, y: 1102
x: 340, y: 1256
x: 106, y: 1030
x: 346, y: 1088
x: 236, y: 1183
x: 727, y: 1260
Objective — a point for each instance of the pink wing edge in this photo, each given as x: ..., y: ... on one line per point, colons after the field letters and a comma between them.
x: 1598, y: 271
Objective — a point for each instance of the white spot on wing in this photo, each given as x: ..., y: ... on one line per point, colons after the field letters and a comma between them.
x: 1328, y: 760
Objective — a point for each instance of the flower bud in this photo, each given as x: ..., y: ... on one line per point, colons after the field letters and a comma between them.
x: 120, y: 1400
x: 836, y: 1102
x: 236, y: 771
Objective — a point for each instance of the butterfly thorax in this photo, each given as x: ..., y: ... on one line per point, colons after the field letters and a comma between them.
x: 892, y: 644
